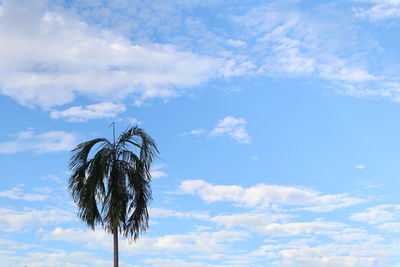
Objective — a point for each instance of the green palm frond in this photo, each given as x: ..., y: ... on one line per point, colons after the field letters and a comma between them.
x: 110, y: 183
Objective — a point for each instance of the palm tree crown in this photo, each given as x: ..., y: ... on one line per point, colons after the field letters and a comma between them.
x: 110, y: 182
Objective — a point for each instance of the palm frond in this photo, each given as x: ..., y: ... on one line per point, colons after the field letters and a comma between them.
x: 111, y: 184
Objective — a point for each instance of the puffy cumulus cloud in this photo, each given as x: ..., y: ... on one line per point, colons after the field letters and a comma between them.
x: 378, y: 214
x: 49, y: 56
x: 232, y: 127
x: 229, y: 126
x: 264, y: 195
x: 89, y: 112
x: 379, y: 9
x: 12, y: 220
x: 52, y: 141
x: 17, y: 193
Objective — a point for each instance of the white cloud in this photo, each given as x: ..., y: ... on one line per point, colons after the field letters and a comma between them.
x: 133, y: 121
x: 52, y: 178
x: 378, y: 214
x: 11, y: 220
x: 192, y: 242
x: 298, y: 253
x: 163, y: 262
x: 266, y: 195
x: 232, y: 127
x: 156, y: 171
x: 379, y: 9
x: 388, y: 90
x: 290, y: 42
x: 360, y: 166
x: 194, y: 132
x: 57, y: 258
x: 50, y: 57
x: 52, y: 141
x: 17, y: 193
x: 163, y: 213
x: 228, y: 126
x: 301, y: 228
x: 236, y: 43
x: 15, y: 245
x: 89, y: 112
x: 253, y: 221
x: 393, y: 227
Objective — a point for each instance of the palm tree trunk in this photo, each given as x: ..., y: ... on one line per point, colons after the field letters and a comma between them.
x: 115, y: 235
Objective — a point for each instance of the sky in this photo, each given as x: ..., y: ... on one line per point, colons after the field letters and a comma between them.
x: 277, y: 124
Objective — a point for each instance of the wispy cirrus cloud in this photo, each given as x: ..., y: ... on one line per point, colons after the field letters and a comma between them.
x: 378, y: 9
x: 194, y: 132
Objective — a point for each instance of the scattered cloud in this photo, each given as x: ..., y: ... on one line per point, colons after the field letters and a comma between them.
x: 52, y: 178
x: 300, y: 228
x: 158, y: 262
x: 49, y: 57
x: 18, y: 194
x: 52, y: 141
x: 299, y: 45
x: 393, y: 227
x: 378, y: 9
x: 11, y: 220
x: 41, y: 257
x: 194, y: 132
x: 360, y: 166
x: 378, y: 214
x: 89, y: 112
x: 193, y: 242
x: 255, y: 157
x: 133, y: 121
x: 232, y: 127
x: 229, y: 126
x: 252, y: 221
x: 156, y: 171
x: 163, y: 213
x: 264, y: 196
x: 313, y: 254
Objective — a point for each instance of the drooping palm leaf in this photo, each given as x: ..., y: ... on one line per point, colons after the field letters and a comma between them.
x: 110, y: 182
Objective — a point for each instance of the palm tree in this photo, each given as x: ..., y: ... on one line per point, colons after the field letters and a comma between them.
x: 110, y: 183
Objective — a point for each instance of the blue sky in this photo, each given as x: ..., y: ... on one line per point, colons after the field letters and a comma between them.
x: 277, y: 122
